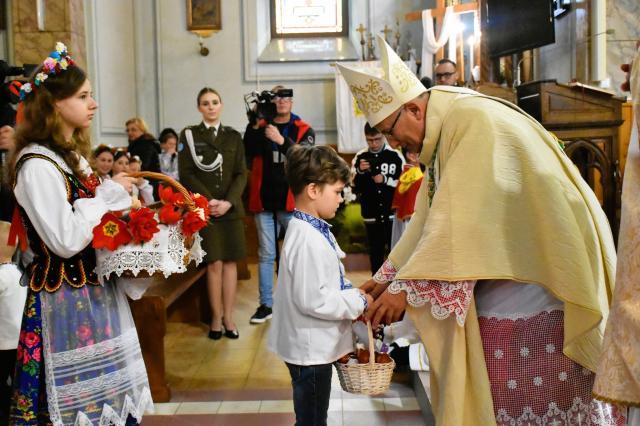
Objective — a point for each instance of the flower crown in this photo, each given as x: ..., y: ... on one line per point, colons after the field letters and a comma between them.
x: 58, y: 61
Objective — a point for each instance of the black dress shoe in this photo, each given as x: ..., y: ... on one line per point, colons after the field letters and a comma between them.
x: 215, y: 335
x: 232, y: 334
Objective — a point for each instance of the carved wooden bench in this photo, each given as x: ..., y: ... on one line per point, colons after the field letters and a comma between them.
x: 178, y: 297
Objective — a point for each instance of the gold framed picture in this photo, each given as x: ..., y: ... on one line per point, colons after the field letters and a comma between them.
x: 203, y: 15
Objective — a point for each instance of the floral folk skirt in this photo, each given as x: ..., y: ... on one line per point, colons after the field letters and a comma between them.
x: 79, y: 360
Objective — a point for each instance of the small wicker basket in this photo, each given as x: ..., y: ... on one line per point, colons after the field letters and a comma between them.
x: 367, y: 379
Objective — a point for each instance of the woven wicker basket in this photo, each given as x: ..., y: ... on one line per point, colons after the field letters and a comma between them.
x: 367, y: 379
x: 123, y: 261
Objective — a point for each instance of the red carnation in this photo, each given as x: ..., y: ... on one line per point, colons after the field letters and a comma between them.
x: 142, y: 225
x: 193, y: 221
x: 110, y: 233
x: 169, y: 214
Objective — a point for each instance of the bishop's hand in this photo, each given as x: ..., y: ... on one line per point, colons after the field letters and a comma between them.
x: 387, y: 308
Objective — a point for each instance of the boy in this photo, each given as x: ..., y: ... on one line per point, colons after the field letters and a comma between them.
x: 377, y: 169
x: 314, y: 303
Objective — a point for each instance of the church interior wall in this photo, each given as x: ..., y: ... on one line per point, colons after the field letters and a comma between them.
x: 146, y: 63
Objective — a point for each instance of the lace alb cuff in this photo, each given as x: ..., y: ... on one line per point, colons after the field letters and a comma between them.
x: 386, y: 273
x: 445, y: 297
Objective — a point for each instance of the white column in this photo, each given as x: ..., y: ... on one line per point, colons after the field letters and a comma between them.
x: 598, y: 40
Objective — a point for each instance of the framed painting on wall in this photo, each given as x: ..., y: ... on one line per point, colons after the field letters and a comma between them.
x: 204, y: 15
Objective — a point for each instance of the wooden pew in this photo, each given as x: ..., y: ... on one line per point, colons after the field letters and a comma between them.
x: 178, y: 297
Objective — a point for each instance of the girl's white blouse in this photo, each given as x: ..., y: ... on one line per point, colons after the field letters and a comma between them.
x: 41, y: 191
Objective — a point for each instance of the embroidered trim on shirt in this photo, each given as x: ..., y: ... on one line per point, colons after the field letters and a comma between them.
x: 325, y: 229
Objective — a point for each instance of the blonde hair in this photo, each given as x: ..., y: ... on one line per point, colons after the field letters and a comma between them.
x: 140, y: 124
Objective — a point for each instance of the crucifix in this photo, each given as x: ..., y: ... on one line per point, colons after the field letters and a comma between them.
x: 361, y: 29
x: 386, y: 33
x: 438, y: 14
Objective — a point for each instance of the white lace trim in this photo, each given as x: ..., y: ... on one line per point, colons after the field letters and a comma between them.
x: 515, y: 316
x: 43, y: 150
x: 164, y: 253
x: 445, y: 297
x: 580, y: 413
x: 110, y: 417
x: 101, y: 384
x: 126, y: 340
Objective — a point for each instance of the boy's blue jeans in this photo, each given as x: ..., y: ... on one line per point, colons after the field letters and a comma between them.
x: 267, y: 250
x: 311, y: 392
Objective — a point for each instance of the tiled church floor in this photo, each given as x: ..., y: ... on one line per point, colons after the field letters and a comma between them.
x: 239, y: 382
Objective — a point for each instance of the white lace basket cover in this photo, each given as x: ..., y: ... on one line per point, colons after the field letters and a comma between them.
x: 166, y: 253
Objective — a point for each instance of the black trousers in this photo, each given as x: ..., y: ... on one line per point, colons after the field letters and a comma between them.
x: 379, y: 237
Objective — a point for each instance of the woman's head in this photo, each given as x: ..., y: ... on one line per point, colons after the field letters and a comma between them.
x: 168, y: 140
x: 120, y: 162
x: 209, y: 105
x: 58, y: 108
x: 136, y: 127
x: 103, y: 160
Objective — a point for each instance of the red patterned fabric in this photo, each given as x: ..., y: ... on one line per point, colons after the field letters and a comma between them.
x: 532, y: 381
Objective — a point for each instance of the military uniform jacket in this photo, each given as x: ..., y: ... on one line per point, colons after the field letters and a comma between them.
x: 226, y: 185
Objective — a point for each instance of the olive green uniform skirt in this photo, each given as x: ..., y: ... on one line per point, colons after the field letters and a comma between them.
x: 224, y: 240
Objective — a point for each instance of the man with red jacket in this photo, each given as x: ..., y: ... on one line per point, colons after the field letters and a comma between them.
x: 269, y: 196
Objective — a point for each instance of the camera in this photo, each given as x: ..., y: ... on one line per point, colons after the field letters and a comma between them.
x: 264, y: 110
x: 374, y: 163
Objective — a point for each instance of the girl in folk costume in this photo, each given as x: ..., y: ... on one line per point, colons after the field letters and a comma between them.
x: 212, y: 163
x: 79, y: 360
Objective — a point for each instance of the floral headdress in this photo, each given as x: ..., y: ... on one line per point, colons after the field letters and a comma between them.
x: 58, y: 61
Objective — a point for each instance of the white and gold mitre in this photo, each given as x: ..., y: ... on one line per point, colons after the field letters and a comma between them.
x: 379, y: 97
x: 403, y: 81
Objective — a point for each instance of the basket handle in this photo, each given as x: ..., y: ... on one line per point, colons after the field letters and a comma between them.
x: 372, y: 352
x: 188, y: 202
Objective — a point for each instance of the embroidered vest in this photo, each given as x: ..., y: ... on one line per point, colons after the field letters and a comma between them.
x: 49, y: 271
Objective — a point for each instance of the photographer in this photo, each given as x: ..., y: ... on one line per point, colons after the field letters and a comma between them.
x: 267, y: 140
x: 377, y: 169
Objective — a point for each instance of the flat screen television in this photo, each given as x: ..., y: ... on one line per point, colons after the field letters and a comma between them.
x: 517, y: 25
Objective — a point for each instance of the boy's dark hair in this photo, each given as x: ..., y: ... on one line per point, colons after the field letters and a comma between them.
x: 370, y: 131
x: 426, y: 82
x: 166, y: 134
x: 314, y: 164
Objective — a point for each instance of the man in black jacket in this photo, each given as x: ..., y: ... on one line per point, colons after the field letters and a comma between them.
x: 270, y: 199
x: 377, y: 169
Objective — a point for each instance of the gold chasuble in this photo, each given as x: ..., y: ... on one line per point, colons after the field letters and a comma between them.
x: 507, y: 204
x: 618, y: 377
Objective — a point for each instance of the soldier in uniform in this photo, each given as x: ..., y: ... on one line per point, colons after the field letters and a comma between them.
x: 212, y: 163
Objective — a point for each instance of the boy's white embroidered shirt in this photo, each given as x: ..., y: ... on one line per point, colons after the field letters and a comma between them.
x: 311, y: 314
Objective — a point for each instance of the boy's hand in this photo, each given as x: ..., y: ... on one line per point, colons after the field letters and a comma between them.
x: 364, y: 165
x: 378, y: 179
x: 373, y: 288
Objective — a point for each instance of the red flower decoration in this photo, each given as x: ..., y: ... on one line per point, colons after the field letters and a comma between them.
x: 91, y: 183
x: 31, y: 339
x: 169, y: 214
x: 203, y: 203
x: 110, y: 233
x: 142, y: 225
x: 193, y: 221
x: 168, y: 196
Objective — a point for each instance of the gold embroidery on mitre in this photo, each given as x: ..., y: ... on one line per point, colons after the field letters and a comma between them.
x: 403, y: 76
x: 371, y: 96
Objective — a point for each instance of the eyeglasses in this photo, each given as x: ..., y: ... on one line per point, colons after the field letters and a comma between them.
x: 444, y: 75
x: 389, y: 133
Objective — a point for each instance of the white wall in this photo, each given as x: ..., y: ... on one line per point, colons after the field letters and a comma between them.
x: 143, y: 61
